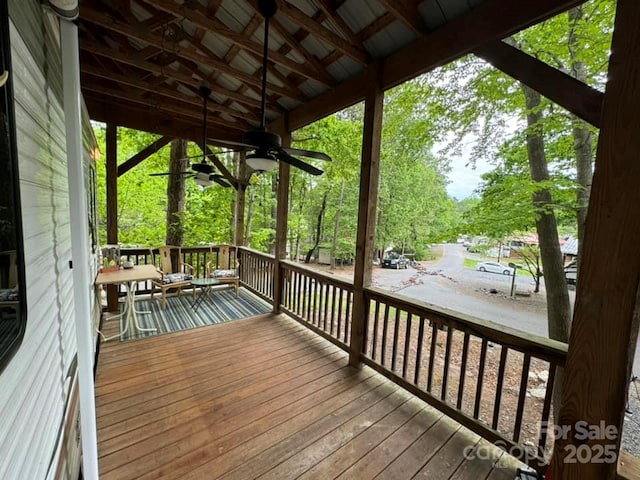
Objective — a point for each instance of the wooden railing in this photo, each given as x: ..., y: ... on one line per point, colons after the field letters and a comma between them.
x: 197, y: 257
x: 256, y: 272
x: 495, y: 380
x: 321, y: 302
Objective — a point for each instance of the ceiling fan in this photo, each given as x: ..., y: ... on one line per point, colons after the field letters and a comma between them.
x: 202, y: 172
x: 267, y: 147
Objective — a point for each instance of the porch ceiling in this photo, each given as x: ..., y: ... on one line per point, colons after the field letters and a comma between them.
x: 142, y: 61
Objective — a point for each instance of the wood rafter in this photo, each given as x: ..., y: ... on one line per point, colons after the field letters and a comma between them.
x: 407, y: 13
x: 165, y: 72
x: 150, y: 119
x: 157, y: 103
x: 196, y: 101
x: 324, y: 34
x: 114, y: 24
x: 326, y: 8
x: 199, y: 19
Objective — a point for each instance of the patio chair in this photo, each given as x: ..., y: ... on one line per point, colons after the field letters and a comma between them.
x: 171, y: 278
x: 224, y: 271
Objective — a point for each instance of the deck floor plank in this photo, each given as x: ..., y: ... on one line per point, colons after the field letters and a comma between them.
x: 266, y: 398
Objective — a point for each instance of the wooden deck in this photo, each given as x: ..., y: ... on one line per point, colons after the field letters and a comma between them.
x: 266, y: 398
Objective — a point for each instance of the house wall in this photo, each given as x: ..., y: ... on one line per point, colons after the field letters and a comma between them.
x: 38, y: 407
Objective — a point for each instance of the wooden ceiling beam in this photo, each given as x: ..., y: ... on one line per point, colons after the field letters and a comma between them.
x: 407, y: 13
x: 157, y: 103
x: 216, y: 27
x: 293, y: 44
x: 196, y: 101
x: 167, y: 72
x: 487, y: 22
x: 577, y: 97
x: 337, y: 20
x: 113, y: 24
x: 143, y: 154
x: 315, y: 28
x: 374, y: 27
x: 146, y: 119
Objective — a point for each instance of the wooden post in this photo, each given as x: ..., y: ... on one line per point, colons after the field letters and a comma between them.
x: 369, y: 173
x: 112, y: 204
x: 605, y: 322
x: 241, y: 195
x: 281, y: 228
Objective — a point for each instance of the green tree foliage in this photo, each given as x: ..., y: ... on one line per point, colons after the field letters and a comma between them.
x: 142, y: 199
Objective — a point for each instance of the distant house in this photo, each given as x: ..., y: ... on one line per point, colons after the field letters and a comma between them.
x: 569, y: 248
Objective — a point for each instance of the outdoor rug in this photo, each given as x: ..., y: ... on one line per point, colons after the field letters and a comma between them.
x: 221, y: 306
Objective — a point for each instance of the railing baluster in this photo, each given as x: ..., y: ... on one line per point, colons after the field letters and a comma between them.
x: 333, y: 308
x: 407, y: 344
x: 326, y: 306
x: 447, y: 359
x: 498, y: 400
x: 416, y: 376
x: 385, y: 328
x: 522, y: 393
x: 347, y: 318
x: 483, y: 357
x: 308, y: 297
x: 341, y: 294
x: 432, y: 353
x: 546, y: 408
x: 376, y: 321
x: 394, y: 350
x: 463, y: 369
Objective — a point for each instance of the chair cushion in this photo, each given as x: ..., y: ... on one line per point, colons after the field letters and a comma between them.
x: 223, y: 274
x: 176, y: 277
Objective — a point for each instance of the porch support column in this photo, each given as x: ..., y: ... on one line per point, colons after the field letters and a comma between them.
x: 281, y: 228
x: 369, y: 173
x: 112, y: 204
x: 241, y: 196
x: 605, y: 322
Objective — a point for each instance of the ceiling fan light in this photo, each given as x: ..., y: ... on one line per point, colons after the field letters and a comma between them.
x: 261, y: 162
x: 202, y: 180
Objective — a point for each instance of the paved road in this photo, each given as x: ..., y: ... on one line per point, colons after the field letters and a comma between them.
x: 448, y: 283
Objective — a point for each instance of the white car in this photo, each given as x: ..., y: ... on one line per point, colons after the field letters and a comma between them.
x: 494, y: 267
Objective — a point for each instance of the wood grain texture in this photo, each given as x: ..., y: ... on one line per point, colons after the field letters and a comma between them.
x: 369, y: 179
x: 604, y: 324
x: 266, y: 398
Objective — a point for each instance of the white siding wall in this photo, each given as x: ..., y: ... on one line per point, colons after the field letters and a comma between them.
x: 34, y: 387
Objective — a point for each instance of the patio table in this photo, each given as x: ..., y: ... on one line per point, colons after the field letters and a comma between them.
x: 205, y: 285
x: 130, y: 278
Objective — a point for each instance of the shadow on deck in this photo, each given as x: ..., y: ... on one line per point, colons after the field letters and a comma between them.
x: 264, y: 397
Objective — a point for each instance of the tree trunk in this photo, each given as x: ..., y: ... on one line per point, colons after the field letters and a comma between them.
x: 558, y: 305
x: 336, y: 228
x: 176, y: 192
x: 581, y: 136
x: 323, y: 207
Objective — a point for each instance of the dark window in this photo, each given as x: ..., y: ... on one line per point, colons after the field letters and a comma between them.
x: 12, y: 298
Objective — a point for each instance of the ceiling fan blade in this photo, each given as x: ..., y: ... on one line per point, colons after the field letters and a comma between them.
x: 169, y: 173
x: 228, y: 143
x: 293, y: 161
x: 219, y: 179
x: 307, y: 153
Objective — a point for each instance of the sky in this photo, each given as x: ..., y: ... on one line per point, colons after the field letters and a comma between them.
x: 463, y: 179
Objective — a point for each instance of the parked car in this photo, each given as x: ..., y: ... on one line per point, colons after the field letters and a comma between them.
x: 571, y: 273
x: 494, y: 267
x: 394, y: 260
